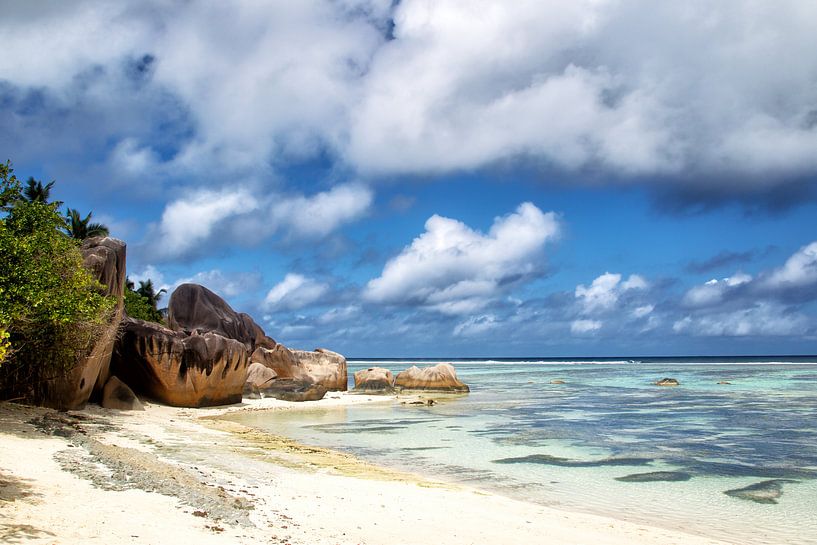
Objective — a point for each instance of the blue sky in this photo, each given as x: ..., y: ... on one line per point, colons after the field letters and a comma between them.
x: 443, y: 178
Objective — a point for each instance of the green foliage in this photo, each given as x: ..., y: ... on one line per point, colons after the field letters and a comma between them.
x: 35, y: 191
x: 80, y: 228
x: 51, y: 308
x: 139, y: 307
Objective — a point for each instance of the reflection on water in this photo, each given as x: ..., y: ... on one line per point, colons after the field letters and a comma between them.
x: 735, y: 461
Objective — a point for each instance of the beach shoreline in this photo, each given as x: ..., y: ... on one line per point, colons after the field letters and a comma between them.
x: 183, y: 475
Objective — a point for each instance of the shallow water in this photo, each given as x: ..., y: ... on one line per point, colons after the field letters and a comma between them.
x: 569, y: 445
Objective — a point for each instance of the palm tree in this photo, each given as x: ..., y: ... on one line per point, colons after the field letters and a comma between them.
x: 81, y: 229
x: 146, y: 290
x: 35, y: 191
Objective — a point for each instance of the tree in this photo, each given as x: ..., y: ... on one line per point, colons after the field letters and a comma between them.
x: 51, y: 310
x: 35, y: 191
x: 142, y: 303
x: 80, y: 228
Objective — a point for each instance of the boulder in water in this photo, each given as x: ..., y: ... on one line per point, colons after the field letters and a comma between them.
x: 668, y: 382
x: 374, y: 380
x: 762, y: 492
x: 440, y: 378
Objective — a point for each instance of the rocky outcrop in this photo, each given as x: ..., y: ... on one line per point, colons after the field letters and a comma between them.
x: 104, y: 257
x: 668, y: 382
x: 374, y: 380
x: 195, y: 309
x: 258, y: 378
x: 196, y: 370
x: 117, y: 395
x: 440, y: 378
x: 321, y: 366
x: 762, y: 492
x: 289, y: 389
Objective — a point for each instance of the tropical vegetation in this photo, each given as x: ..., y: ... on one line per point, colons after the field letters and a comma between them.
x: 142, y: 302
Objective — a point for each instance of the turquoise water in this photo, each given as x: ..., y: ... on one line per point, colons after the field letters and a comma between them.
x: 567, y: 445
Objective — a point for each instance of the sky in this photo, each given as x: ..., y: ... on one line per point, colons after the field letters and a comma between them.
x: 442, y: 177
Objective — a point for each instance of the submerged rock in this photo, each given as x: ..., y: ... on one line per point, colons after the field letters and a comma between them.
x: 440, y: 378
x: 557, y: 381
x: 667, y: 382
x: 762, y: 492
x: 177, y: 369
x: 546, y: 459
x: 724, y: 382
x: 374, y: 380
x: 117, y: 395
x: 655, y: 476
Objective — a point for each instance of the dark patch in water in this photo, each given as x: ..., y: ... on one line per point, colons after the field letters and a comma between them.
x: 363, y: 429
x: 423, y: 448
x: 724, y: 469
x: 654, y: 476
x: 763, y: 492
x: 546, y: 459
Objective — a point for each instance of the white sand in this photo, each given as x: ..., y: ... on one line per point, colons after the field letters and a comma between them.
x: 297, y: 494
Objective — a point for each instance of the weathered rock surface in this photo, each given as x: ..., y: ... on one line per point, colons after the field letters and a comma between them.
x: 374, y: 380
x: 762, y: 492
x: 104, y: 257
x: 440, y: 378
x: 289, y: 389
x: 667, y: 382
x: 258, y: 378
x: 117, y: 395
x: 321, y: 366
x: 195, y: 309
x: 182, y: 370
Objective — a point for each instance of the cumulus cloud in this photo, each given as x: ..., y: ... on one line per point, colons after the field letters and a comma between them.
x: 713, y: 291
x: 585, y: 326
x: 761, y: 318
x: 190, y: 221
x: 418, y: 86
x: 603, y: 294
x: 799, y: 270
x: 295, y: 291
x: 456, y: 270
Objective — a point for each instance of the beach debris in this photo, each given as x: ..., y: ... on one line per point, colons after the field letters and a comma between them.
x: 763, y: 492
x: 117, y: 395
x: 439, y: 378
x: 666, y: 381
x: 428, y: 402
x: 546, y: 459
x: 374, y: 380
x: 724, y: 382
x: 655, y: 476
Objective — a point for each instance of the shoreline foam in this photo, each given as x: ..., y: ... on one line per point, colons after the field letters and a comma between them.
x: 185, y: 475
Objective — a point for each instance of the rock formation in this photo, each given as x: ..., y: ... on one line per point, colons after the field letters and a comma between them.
x: 321, y: 366
x: 196, y: 370
x: 195, y: 309
x: 667, y: 382
x: 117, y: 395
x: 374, y: 380
x: 440, y: 378
x: 258, y: 378
x: 104, y: 257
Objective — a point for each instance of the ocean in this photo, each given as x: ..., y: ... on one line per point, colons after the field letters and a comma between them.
x: 606, y: 440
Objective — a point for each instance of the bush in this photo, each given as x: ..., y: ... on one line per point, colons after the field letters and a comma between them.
x: 138, y: 306
x: 51, y: 309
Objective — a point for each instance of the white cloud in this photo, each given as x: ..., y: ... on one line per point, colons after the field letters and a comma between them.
x: 580, y: 327
x: 713, y: 291
x: 455, y: 269
x: 324, y: 212
x: 261, y: 83
x: 476, y: 325
x: 603, y: 294
x: 799, y: 270
x: 294, y: 292
x: 151, y: 273
x: 762, y: 318
x: 644, y: 310
x: 188, y: 222
x: 224, y: 284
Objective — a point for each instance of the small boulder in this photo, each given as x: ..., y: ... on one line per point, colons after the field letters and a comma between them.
x: 440, y: 378
x: 763, y: 492
x: 374, y: 380
x: 724, y: 382
x: 288, y: 389
x: 117, y: 395
x: 557, y: 381
x: 667, y: 382
x: 258, y: 378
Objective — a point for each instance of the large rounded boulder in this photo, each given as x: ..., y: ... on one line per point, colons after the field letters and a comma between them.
x: 439, y: 378
x: 374, y: 380
x: 320, y: 366
x: 195, y: 309
x: 177, y: 369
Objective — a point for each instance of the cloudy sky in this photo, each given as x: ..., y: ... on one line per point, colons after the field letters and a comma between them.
x: 442, y: 177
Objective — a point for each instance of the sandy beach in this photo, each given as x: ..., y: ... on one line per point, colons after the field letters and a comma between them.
x: 169, y: 475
